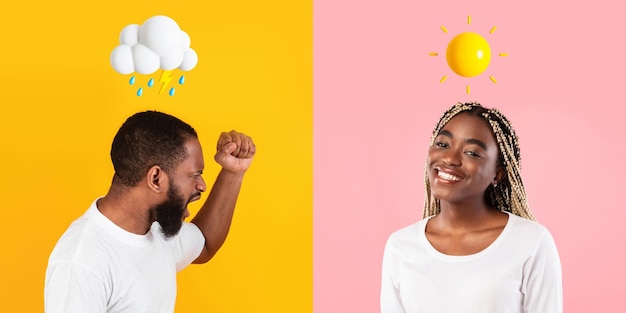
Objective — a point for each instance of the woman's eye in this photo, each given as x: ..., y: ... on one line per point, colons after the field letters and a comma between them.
x: 472, y: 154
x: 441, y: 144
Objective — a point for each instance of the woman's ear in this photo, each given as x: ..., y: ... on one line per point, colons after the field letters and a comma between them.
x: 500, y: 172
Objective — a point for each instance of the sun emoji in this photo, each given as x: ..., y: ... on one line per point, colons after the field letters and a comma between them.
x: 468, y: 54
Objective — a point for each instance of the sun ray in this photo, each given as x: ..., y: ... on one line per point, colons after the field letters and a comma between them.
x: 468, y: 67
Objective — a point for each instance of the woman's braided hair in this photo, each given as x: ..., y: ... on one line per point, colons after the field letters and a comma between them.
x: 509, y: 194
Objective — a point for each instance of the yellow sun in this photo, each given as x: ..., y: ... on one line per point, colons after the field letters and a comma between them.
x: 468, y: 54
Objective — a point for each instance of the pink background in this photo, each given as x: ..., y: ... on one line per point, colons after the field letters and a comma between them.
x: 378, y: 96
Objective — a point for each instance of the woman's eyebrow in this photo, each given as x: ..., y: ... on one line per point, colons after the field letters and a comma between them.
x: 477, y: 142
x: 445, y: 133
x: 470, y: 140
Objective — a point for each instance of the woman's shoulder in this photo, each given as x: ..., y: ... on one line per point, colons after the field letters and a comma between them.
x: 527, y: 232
x: 407, y: 234
x: 523, y: 224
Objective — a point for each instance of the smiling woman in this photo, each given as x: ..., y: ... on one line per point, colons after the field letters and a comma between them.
x: 478, y: 248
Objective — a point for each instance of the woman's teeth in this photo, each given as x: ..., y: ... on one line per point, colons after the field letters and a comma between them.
x: 447, y: 176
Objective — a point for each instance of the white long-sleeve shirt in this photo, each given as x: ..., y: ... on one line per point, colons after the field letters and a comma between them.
x: 520, y: 272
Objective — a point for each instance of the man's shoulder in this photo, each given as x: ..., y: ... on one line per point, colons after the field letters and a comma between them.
x: 79, y: 237
x: 81, y: 243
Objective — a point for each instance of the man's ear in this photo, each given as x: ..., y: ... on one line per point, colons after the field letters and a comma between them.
x: 156, y: 178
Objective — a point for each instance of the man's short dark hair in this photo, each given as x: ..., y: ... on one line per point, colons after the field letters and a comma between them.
x: 147, y: 139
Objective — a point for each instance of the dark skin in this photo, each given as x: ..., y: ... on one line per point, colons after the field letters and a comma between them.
x: 132, y: 208
x: 462, y: 163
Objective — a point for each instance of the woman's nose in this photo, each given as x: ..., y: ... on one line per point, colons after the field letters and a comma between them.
x: 452, y: 157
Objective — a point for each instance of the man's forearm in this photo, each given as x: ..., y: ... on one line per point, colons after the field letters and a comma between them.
x: 215, y: 216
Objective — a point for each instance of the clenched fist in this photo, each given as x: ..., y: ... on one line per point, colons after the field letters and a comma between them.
x: 234, y: 151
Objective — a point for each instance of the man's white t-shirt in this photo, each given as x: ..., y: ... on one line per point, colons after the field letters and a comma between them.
x: 519, y: 272
x: 97, y: 266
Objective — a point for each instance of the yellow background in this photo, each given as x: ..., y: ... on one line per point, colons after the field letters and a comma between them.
x: 61, y: 104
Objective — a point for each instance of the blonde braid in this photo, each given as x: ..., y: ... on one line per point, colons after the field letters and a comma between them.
x: 509, y: 195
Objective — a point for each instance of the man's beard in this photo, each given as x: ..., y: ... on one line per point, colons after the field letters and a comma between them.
x: 169, y: 214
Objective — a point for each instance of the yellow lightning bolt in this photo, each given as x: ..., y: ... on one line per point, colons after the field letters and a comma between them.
x: 165, y: 79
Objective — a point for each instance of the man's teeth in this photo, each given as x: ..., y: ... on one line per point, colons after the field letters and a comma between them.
x: 447, y: 176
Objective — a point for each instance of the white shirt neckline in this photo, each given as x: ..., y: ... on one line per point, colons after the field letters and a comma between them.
x: 460, y: 258
x: 117, y: 232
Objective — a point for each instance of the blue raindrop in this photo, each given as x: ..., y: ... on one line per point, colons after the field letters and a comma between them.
x: 172, y: 91
x: 151, y: 82
x: 181, y: 80
x: 140, y: 92
x: 132, y: 80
